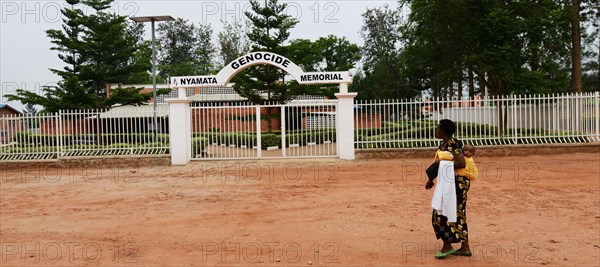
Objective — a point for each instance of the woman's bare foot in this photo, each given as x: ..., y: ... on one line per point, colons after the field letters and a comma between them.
x: 446, y: 247
x: 464, y: 250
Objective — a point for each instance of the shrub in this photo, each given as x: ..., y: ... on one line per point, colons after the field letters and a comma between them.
x: 268, y: 140
x: 198, y: 146
x: 28, y: 139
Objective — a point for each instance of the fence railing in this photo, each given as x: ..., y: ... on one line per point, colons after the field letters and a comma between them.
x: 119, y: 131
x: 539, y: 119
x: 302, y: 128
x: 299, y: 129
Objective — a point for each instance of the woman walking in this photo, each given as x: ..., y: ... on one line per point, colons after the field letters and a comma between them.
x: 452, y: 232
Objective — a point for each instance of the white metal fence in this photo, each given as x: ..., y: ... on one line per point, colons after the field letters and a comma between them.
x: 243, y: 131
x: 302, y: 128
x: 119, y: 131
x: 540, y: 119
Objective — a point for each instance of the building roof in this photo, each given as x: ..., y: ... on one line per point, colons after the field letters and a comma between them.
x: 144, y: 111
x: 9, y: 107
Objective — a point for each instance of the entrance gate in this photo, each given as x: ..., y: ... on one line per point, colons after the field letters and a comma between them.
x: 295, y: 130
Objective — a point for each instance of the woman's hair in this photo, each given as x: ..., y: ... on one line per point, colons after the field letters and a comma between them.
x: 448, y: 126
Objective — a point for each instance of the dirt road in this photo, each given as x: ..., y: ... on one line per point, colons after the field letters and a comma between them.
x: 532, y: 210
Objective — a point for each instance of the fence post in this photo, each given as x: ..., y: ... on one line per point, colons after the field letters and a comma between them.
x: 597, y: 101
x: 345, y: 123
x: 180, y: 131
x: 59, y: 135
x: 283, y: 129
x: 258, y: 133
x: 514, y: 101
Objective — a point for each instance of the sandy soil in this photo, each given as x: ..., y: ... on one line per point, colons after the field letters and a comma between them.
x: 532, y: 210
x: 319, y: 150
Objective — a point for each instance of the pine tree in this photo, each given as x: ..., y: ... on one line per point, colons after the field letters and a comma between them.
x: 270, y: 28
x: 109, y: 53
x: 70, y: 93
x: 97, y: 49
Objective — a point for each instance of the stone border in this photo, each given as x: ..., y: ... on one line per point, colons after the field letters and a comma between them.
x: 98, y: 162
x: 483, y: 151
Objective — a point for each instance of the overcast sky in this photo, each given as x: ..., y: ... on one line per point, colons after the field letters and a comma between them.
x: 25, y: 53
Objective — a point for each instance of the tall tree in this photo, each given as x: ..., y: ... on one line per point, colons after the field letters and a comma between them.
x: 306, y: 54
x: 504, y: 44
x: 576, y: 46
x: 69, y: 93
x: 590, y: 19
x: 270, y: 28
x: 184, y: 49
x: 380, y: 32
x: 109, y: 51
x: 381, y: 54
x: 338, y: 54
x: 176, y: 45
x: 141, y: 56
x: 233, y: 42
x: 205, y: 49
x: 98, y: 49
x: 329, y: 53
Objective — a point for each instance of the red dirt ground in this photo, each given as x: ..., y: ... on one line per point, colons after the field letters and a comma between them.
x: 527, y: 210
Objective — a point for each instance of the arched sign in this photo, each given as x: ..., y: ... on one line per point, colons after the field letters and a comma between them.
x: 258, y: 58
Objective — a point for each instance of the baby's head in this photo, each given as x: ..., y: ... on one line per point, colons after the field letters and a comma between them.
x: 469, y: 150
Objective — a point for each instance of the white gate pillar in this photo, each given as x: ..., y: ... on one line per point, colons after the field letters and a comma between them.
x: 345, y: 123
x: 180, y: 129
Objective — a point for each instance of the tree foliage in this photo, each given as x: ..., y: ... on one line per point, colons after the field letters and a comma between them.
x: 233, y: 42
x: 185, y: 49
x: 382, y: 75
x: 510, y: 46
x: 97, y: 49
x: 270, y: 28
x: 325, y: 54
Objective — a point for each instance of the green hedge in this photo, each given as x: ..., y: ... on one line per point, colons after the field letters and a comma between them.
x: 311, y: 137
x: 27, y: 139
x: 253, y: 117
x: 408, y: 143
x: 198, y: 146
x: 401, y: 130
x: 269, y: 139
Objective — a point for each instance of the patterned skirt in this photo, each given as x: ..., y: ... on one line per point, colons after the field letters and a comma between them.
x: 458, y: 231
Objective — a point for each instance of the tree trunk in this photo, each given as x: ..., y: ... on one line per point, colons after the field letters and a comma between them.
x: 459, y: 87
x: 482, y: 85
x: 435, y: 87
x: 269, y: 124
x: 501, y: 88
x: 471, y: 83
x: 576, y: 49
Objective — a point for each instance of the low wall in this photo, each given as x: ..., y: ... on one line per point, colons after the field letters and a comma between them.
x: 165, y: 160
x: 96, y: 162
x: 483, y: 151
